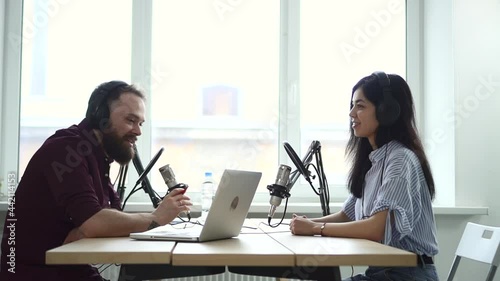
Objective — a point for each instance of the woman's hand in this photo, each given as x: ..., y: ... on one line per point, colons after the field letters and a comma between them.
x: 295, y: 215
x: 170, y: 207
x: 301, y: 225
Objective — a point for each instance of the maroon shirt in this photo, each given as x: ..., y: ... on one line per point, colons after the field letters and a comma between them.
x: 65, y: 183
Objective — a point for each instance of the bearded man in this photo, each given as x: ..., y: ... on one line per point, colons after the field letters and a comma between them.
x: 66, y: 194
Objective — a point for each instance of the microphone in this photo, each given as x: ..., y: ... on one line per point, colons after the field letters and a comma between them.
x: 169, y: 177
x: 279, y: 189
x: 301, y: 165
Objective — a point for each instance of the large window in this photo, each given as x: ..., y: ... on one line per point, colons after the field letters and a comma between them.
x: 68, y: 48
x: 218, y: 105
x: 227, y: 81
x: 341, y: 42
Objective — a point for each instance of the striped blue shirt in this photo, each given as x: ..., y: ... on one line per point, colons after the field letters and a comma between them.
x: 396, y: 182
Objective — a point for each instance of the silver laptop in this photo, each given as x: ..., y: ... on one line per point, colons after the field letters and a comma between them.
x: 226, y: 216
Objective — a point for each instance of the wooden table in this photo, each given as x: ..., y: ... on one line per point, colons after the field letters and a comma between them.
x: 111, y: 250
x: 261, y: 248
x: 318, y: 258
x: 328, y: 251
x: 246, y: 249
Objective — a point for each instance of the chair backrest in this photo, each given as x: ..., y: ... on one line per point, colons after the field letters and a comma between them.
x: 480, y: 243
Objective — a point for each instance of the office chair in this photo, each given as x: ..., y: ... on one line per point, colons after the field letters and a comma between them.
x: 480, y: 243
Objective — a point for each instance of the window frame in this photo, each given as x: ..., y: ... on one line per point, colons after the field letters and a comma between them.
x: 141, y: 66
x: 11, y: 83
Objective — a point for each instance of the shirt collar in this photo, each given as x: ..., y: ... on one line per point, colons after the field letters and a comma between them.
x: 90, y: 135
x: 380, y: 153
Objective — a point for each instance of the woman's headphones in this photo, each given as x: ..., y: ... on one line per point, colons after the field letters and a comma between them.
x: 388, y: 110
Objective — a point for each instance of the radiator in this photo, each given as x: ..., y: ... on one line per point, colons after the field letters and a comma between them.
x: 226, y: 276
x: 111, y: 273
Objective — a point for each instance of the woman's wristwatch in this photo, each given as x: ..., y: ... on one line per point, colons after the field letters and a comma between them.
x: 321, y: 229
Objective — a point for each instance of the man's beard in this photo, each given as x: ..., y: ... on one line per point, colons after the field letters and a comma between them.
x: 118, y: 148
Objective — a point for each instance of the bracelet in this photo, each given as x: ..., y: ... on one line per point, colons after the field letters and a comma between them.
x: 321, y: 229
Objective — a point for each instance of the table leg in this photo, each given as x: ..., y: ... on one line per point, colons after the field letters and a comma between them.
x: 298, y: 272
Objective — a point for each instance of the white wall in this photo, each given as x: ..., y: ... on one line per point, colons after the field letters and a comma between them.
x: 438, y: 104
x: 461, y: 129
x: 475, y: 60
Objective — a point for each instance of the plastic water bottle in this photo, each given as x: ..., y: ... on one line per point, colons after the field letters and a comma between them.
x: 207, y: 193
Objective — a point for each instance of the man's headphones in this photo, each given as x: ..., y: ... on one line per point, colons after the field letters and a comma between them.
x: 98, y: 108
x: 388, y: 110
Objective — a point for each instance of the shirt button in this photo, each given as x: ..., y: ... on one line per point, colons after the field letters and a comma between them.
x: 107, y: 175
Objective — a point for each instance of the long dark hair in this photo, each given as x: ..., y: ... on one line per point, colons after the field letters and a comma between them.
x: 404, y: 130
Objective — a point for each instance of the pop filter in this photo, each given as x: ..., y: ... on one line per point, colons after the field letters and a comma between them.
x: 143, y: 173
x: 149, y: 167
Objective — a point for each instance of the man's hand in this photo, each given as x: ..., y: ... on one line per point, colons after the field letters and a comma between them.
x: 112, y: 223
x: 170, y: 207
x: 74, y: 235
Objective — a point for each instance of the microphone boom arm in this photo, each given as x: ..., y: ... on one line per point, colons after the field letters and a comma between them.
x: 313, y: 151
x: 294, y: 176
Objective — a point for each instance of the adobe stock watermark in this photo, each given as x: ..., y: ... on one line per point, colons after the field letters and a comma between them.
x: 363, y: 36
x: 44, y: 11
x: 486, y: 87
x: 280, y: 118
x: 11, y: 221
x: 75, y: 155
x: 157, y: 76
x: 312, y: 263
x: 250, y: 147
x: 222, y: 7
x: 253, y: 147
